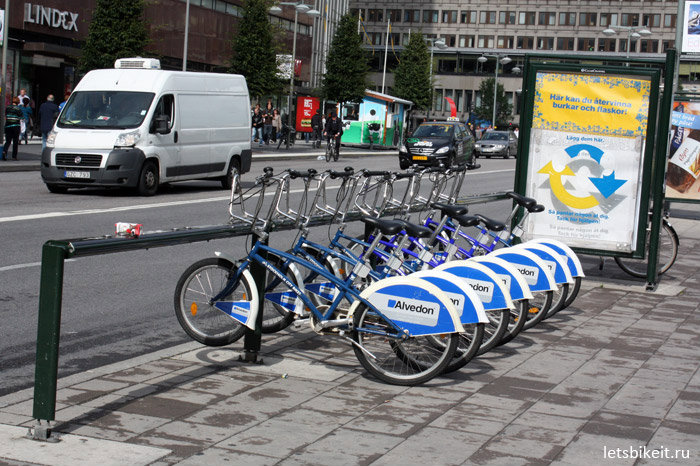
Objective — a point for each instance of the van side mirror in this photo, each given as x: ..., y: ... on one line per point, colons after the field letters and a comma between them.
x: 161, y: 124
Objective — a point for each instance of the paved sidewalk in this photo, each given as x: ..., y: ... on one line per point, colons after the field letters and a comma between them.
x: 614, y: 376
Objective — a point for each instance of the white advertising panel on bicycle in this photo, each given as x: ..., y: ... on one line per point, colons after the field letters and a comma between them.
x: 586, y: 154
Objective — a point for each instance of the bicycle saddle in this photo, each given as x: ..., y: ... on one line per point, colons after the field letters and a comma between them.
x: 526, y: 202
x: 386, y: 227
x: 535, y: 208
x: 492, y: 225
x: 450, y: 210
x: 466, y: 220
x: 416, y: 231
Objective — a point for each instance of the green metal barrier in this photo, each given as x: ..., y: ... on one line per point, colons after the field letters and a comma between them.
x: 54, y: 254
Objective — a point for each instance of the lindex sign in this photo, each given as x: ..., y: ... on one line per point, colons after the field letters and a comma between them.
x: 50, y: 17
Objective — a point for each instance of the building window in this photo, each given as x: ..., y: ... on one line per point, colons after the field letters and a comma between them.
x: 667, y: 44
x: 505, y: 42
x: 437, y: 104
x: 586, y: 44
x: 567, y: 19
x: 375, y: 16
x: 608, y: 19
x: 485, y: 42
x: 548, y: 19
x: 606, y: 45
x: 649, y: 46
x: 466, y: 41
x: 395, y: 38
x: 406, y: 39
x: 449, y: 16
x: 487, y: 17
x: 587, y: 19
x: 669, y: 21
x: 450, y: 40
x: 629, y: 19
x: 459, y: 100
x: 545, y: 43
x: 527, y: 17
x: 651, y: 21
x: 357, y: 12
x: 565, y: 43
x: 430, y: 16
x: 467, y: 17
x: 394, y: 15
x: 622, y: 45
x: 506, y: 17
x: 411, y: 16
x: 526, y: 43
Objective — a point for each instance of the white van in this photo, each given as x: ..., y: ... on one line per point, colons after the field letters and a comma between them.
x: 137, y: 126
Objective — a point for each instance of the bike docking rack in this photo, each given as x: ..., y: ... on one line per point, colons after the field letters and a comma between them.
x: 55, y: 253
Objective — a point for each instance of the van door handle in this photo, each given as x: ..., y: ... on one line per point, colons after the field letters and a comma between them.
x: 175, y: 136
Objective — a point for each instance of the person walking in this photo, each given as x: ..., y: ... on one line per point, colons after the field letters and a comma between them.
x: 268, y: 113
x: 317, y: 127
x: 47, y: 115
x: 13, y: 118
x: 26, y: 119
x: 257, y: 123
x: 276, y: 125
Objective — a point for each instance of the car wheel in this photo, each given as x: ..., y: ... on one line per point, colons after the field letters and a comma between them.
x: 148, y: 179
x: 488, y: 156
x: 234, y: 167
x: 403, y: 164
x: 507, y: 154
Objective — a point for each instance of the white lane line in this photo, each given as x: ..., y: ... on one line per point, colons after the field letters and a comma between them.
x: 71, y: 213
x: 26, y: 266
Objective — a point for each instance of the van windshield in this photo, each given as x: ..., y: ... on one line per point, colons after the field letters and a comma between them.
x: 105, y: 109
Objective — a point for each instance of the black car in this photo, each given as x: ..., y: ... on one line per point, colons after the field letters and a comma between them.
x: 437, y: 142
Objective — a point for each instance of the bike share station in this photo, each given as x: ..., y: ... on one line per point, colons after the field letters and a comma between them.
x: 583, y: 124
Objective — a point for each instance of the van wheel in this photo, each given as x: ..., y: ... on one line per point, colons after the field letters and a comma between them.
x: 149, y: 179
x: 56, y: 189
x: 234, y: 167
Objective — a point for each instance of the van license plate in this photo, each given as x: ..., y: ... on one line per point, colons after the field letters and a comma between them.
x: 74, y: 174
x: 420, y: 157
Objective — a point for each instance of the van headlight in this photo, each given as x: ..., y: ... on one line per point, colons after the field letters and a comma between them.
x: 51, y: 139
x: 443, y: 150
x: 127, y: 139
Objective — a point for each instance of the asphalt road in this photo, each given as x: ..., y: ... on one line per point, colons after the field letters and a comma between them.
x: 118, y: 306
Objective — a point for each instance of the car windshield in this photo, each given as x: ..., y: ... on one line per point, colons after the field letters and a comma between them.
x: 105, y: 109
x: 495, y: 137
x: 434, y: 130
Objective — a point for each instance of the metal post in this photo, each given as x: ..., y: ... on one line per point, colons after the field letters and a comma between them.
x: 3, y: 84
x: 680, y: 20
x: 187, y: 30
x: 48, y: 330
x: 291, y: 73
x: 386, y: 52
x: 495, y: 92
x: 252, y: 339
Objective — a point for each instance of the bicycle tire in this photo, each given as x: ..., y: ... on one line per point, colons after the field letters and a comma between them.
x: 336, y: 154
x: 200, y: 320
x: 467, y: 348
x: 538, y: 308
x: 275, y: 316
x: 558, y: 300
x: 668, y: 252
x: 388, y: 362
x: 494, y: 330
x: 573, y: 292
x: 518, y: 316
x: 328, y: 152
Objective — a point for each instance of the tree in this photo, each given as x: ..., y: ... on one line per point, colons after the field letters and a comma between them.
x: 503, y: 108
x: 412, y: 75
x: 255, y: 51
x: 346, y: 65
x: 117, y: 30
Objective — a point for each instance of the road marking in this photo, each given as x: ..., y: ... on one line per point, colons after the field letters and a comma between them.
x: 26, y: 266
x: 159, y: 205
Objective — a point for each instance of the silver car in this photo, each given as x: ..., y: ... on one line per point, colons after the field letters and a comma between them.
x: 501, y: 143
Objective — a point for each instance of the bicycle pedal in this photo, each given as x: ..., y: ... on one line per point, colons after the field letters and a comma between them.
x: 299, y: 323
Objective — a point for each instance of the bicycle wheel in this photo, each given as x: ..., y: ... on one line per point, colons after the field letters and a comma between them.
x: 494, y: 330
x: 385, y: 357
x: 276, y: 315
x: 558, y: 299
x: 668, y: 251
x: 469, y: 343
x: 573, y: 292
x: 539, y: 306
x: 336, y: 154
x: 198, y: 318
x: 328, y: 152
x: 518, y: 317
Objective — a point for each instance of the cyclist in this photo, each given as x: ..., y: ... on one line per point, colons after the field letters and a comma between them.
x: 317, y: 127
x: 334, y: 127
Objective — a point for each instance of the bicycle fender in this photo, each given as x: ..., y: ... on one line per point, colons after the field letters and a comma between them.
x: 512, y: 278
x: 553, y: 259
x: 488, y: 285
x: 287, y: 299
x: 465, y: 299
x: 412, y: 304
x: 534, y: 269
x: 572, y: 259
x: 244, y: 312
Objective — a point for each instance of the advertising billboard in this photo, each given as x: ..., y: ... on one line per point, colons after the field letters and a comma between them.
x: 306, y: 108
x: 683, y: 171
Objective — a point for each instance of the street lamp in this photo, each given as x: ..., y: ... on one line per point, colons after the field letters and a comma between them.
x: 439, y: 43
x: 633, y: 32
x: 504, y: 61
x: 299, y: 7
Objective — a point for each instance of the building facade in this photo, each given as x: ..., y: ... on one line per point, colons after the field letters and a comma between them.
x: 501, y: 28
x: 45, y: 39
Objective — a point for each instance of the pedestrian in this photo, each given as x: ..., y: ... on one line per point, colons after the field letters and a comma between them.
x: 276, y: 125
x: 26, y: 120
x: 23, y: 95
x: 267, y: 121
x: 47, y: 116
x: 66, y: 96
x: 317, y: 127
x: 13, y: 118
x: 334, y: 127
x: 257, y: 123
